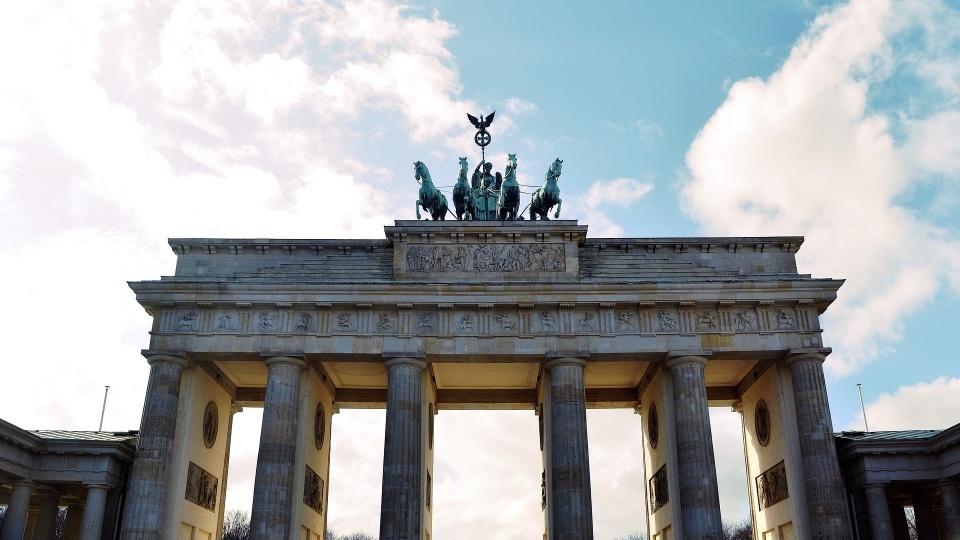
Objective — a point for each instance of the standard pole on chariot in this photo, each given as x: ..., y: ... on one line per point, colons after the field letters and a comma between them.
x: 482, y: 138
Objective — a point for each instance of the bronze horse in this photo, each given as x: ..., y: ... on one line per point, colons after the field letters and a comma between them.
x: 430, y: 197
x: 548, y: 195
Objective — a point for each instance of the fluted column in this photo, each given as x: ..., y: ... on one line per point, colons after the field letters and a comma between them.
x: 571, y: 505
x: 950, y: 498
x: 826, y: 503
x: 923, y: 513
x: 71, y: 525
x: 47, y: 517
x: 878, y: 509
x: 273, y: 489
x: 401, y: 497
x: 147, y: 491
x: 699, y: 494
x: 92, y: 524
x: 15, y: 520
x: 898, y: 518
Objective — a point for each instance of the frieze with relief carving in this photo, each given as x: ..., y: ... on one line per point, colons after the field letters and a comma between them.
x: 486, y: 258
x: 201, y: 487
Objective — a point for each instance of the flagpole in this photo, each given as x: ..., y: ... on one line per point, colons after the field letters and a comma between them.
x: 106, y: 390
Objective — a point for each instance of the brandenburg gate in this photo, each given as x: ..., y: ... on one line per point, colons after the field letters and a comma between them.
x: 486, y: 315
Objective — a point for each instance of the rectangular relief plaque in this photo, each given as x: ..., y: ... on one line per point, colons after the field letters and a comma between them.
x: 201, y: 487
x: 313, y: 490
x: 486, y: 258
x: 659, y: 490
x: 772, y: 486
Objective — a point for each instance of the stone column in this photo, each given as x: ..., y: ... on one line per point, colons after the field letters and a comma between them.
x: 826, y: 502
x: 47, y: 517
x: 15, y: 520
x: 92, y: 525
x: 71, y: 525
x: 147, y: 491
x: 898, y: 518
x: 923, y: 513
x: 401, y: 498
x: 571, y: 505
x: 221, y: 505
x: 699, y: 494
x: 273, y: 488
x: 878, y: 509
x: 950, y: 498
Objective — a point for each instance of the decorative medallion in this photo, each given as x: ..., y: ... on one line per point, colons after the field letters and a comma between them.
x: 319, y: 426
x: 653, y: 426
x: 211, y: 424
x: 429, y: 496
x: 761, y: 421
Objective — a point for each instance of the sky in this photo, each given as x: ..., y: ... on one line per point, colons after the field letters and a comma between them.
x: 127, y: 122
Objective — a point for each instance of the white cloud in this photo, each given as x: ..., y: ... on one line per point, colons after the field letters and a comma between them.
x: 925, y: 405
x: 519, y: 106
x: 603, y: 194
x: 804, y: 153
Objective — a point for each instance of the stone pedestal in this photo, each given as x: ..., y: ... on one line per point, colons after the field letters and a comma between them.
x: 147, y: 491
x: 47, y: 517
x: 699, y: 494
x: 950, y: 498
x: 273, y: 489
x: 879, y: 510
x: 93, y: 514
x: 402, y: 497
x: 568, y: 470
x: 15, y: 520
x: 826, y: 503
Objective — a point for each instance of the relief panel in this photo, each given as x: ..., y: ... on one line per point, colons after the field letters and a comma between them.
x: 201, y: 487
x: 772, y: 486
x: 485, y: 258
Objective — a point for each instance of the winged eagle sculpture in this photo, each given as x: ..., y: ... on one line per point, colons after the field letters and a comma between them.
x: 482, y: 138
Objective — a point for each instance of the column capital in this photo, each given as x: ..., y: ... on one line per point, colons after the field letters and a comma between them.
x: 158, y: 358
x: 684, y: 359
x: 97, y: 485
x: 285, y: 360
x: 406, y: 361
x: 565, y: 361
x: 807, y: 355
x: 875, y: 485
x: 24, y: 482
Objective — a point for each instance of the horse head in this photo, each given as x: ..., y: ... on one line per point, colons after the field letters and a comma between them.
x: 511, y: 162
x: 464, y: 167
x: 554, y: 170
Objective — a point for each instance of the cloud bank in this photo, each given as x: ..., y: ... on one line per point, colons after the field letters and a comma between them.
x: 815, y: 150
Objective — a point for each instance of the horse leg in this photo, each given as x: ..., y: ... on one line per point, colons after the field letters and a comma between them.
x: 559, y: 204
x: 417, y: 206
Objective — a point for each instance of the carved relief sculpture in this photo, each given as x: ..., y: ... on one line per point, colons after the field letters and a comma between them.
x: 547, y: 321
x: 506, y: 323
x: 667, y: 322
x: 626, y: 322
x: 211, y: 424
x: 226, y: 323
x: 653, y: 426
x: 772, y: 486
x: 343, y: 322
x: 486, y: 258
x: 384, y: 324
x: 706, y: 320
x: 761, y: 422
x: 201, y: 488
x: 785, y: 321
x: 264, y: 321
x: 465, y: 324
x: 588, y: 323
x: 319, y: 426
x: 305, y: 322
x: 424, y: 321
x: 744, y: 320
x: 187, y: 321
x: 313, y: 490
x: 659, y: 489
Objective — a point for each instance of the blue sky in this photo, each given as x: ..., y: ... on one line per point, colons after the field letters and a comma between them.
x: 126, y: 122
